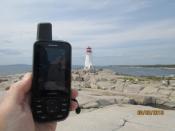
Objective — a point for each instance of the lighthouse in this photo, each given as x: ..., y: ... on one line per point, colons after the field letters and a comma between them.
x: 88, y: 59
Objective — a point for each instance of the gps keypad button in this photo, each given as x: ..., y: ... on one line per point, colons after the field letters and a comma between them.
x: 52, y: 106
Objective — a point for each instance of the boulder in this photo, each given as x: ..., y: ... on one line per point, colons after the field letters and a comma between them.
x: 86, y: 77
x: 144, y: 100
x: 2, y: 80
x: 134, y: 88
x: 90, y: 105
x: 5, y: 85
x: 165, y: 83
x: 170, y: 104
x: 172, y: 83
x: 87, y: 84
x: 149, y: 90
x: 172, y: 95
x: 119, y: 99
x: 164, y: 92
x: 77, y: 84
x: 160, y: 101
x: 105, y: 85
x: 119, y: 85
x: 77, y: 77
x: 93, y: 85
x: 127, y: 100
x: 105, y: 102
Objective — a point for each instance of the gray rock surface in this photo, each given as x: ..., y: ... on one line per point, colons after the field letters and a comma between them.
x: 136, y: 90
x: 119, y: 118
x: 9, y: 80
x: 104, y: 98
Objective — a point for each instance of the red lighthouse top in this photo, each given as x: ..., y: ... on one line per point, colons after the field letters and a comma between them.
x: 89, y: 49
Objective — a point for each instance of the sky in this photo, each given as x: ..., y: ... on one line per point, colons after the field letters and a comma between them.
x: 120, y: 32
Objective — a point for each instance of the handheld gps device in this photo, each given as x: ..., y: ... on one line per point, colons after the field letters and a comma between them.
x: 51, y: 84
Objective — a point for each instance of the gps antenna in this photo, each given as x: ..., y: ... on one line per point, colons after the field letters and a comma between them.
x: 44, y: 32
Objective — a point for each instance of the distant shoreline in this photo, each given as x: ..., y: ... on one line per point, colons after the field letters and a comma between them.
x: 153, y: 66
x: 131, y: 70
x: 170, y: 68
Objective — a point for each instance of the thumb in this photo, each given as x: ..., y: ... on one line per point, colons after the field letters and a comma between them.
x: 19, y: 89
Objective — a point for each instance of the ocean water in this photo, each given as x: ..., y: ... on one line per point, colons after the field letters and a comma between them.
x: 143, y: 71
x: 21, y: 68
x: 124, y: 70
x: 14, y: 69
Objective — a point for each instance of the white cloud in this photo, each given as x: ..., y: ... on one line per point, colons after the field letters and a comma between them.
x: 156, y: 30
x: 96, y: 33
x: 99, y: 23
x: 20, y: 10
x: 79, y: 30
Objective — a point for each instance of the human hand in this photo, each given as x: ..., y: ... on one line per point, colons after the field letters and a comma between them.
x: 15, y: 112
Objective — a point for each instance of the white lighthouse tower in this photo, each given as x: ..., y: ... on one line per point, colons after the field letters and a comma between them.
x: 88, y: 59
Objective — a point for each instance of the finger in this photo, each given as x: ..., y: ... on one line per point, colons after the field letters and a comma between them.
x: 74, y: 93
x: 73, y: 105
x: 26, y: 82
x: 50, y: 126
x: 21, y: 88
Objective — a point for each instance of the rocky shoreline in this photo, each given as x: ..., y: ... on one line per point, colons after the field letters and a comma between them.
x: 151, y: 91
x: 110, y: 102
x: 104, y: 85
